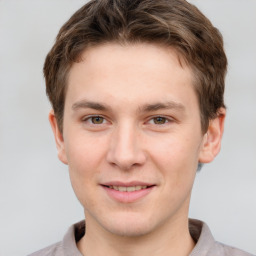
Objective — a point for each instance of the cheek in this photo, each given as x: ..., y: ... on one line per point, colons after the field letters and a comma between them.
x: 83, y: 172
x: 177, y: 159
x: 175, y: 150
x: 84, y: 152
x: 84, y: 161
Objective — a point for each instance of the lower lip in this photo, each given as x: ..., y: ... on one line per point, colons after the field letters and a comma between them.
x: 127, y: 197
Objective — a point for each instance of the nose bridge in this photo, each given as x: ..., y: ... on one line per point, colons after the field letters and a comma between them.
x: 125, y: 149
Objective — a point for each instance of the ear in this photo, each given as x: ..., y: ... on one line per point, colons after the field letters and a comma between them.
x: 212, y: 138
x: 58, y: 138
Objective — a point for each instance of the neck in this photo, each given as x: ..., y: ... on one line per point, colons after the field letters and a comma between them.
x: 167, y: 240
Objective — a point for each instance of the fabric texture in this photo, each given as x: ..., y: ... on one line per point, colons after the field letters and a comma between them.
x: 200, y: 232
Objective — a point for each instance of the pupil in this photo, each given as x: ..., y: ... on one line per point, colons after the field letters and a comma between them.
x: 97, y: 120
x: 160, y: 120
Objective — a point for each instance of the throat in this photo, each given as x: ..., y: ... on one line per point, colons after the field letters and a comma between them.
x: 145, y: 245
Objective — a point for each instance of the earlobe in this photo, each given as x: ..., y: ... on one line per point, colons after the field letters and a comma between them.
x: 58, y: 138
x: 212, y: 138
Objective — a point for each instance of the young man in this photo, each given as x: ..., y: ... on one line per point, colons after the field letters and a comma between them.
x: 137, y: 89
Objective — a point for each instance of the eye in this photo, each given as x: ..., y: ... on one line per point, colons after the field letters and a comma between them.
x: 95, y: 120
x: 159, y: 120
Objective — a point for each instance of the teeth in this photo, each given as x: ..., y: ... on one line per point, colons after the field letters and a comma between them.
x: 122, y: 189
x: 128, y: 189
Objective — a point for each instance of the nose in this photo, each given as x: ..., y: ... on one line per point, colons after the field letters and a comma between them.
x: 125, y: 149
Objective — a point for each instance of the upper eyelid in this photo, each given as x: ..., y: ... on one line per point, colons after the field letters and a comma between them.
x: 91, y: 116
x: 86, y: 118
x: 168, y: 118
x: 163, y: 116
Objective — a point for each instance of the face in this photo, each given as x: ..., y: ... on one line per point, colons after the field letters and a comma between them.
x: 132, y: 137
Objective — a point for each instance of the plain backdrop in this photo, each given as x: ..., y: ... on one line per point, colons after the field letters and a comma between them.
x: 37, y: 203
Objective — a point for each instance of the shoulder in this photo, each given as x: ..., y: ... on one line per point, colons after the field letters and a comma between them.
x: 68, y: 245
x: 225, y: 250
x: 52, y: 250
x: 206, y: 245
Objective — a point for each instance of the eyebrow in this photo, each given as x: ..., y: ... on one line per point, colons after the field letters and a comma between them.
x: 90, y: 104
x: 145, y: 108
x: 166, y: 105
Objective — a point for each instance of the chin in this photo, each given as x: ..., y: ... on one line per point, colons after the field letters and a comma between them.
x: 130, y: 231
x: 129, y: 226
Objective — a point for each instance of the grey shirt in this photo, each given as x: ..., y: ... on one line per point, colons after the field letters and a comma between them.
x: 200, y: 232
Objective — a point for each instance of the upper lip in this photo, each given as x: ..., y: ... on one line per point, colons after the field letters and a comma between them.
x: 127, y: 184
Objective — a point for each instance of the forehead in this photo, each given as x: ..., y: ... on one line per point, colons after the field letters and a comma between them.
x: 131, y: 73
x: 129, y: 56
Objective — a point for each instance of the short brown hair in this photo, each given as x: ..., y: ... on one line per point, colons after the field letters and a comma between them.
x: 172, y: 23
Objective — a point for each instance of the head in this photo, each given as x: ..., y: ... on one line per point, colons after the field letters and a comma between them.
x: 170, y: 23
x: 137, y: 94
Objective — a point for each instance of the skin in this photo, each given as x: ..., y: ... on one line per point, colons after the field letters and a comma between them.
x: 131, y: 115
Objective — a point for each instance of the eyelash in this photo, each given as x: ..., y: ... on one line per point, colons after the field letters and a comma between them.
x: 90, y: 118
x: 104, y: 120
x: 165, y: 119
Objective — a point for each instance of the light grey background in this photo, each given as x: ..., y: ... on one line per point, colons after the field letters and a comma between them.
x: 37, y: 203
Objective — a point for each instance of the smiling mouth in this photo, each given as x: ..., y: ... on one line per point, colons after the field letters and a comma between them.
x: 129, y: 192
x: 128, y: 189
